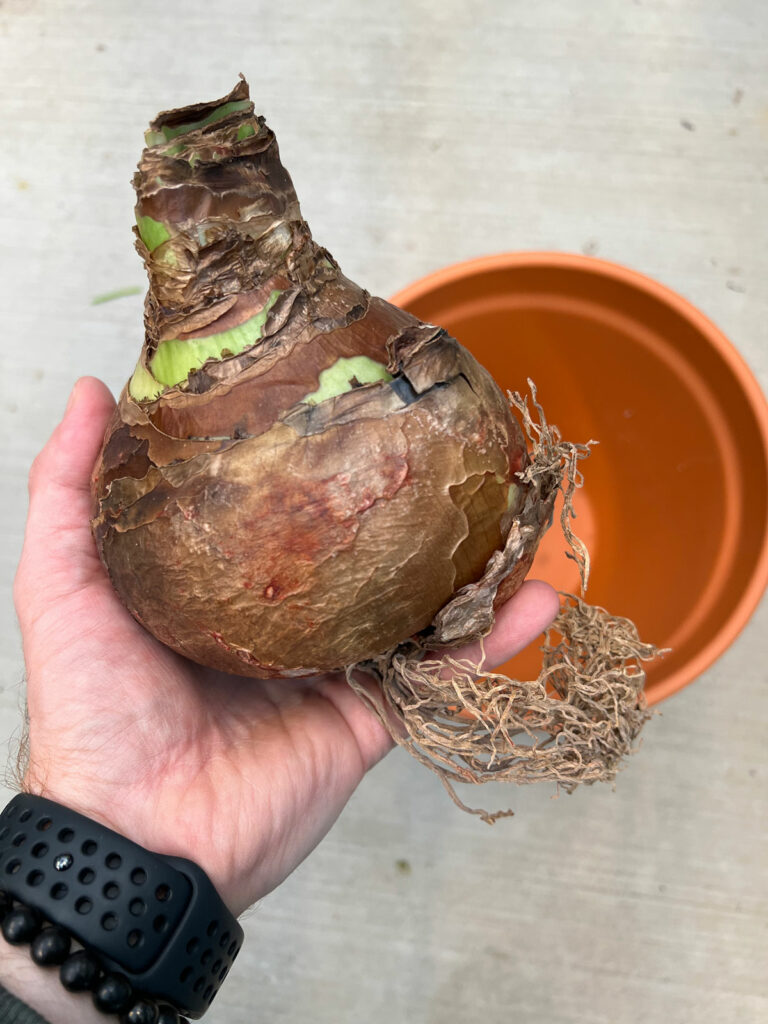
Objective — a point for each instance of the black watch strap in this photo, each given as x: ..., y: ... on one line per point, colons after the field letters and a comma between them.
x: 158, y: 920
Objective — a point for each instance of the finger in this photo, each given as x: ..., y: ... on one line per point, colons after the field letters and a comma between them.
x: 57, y: 539
x: 518, y: 622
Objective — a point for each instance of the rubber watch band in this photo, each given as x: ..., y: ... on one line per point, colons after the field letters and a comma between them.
x: 158, y: 920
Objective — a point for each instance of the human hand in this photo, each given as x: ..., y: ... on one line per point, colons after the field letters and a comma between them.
x: 242, y: 776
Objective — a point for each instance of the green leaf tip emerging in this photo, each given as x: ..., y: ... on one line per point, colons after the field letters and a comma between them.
x: 169, y: 132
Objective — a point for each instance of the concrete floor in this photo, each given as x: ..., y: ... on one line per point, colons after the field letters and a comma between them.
x: 421, y: 133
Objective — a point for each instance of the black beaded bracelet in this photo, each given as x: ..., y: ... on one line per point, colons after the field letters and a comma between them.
x: 79, y: 971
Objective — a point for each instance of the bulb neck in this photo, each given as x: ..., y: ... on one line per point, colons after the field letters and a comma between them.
x: 217, y: 217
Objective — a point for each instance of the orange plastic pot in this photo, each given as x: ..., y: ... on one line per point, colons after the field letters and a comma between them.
x: 675, y: 502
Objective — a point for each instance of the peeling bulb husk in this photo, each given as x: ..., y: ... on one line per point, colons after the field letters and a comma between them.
x: 298, y: 475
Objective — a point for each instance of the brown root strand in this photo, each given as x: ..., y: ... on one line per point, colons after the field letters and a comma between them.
x: 555, y: 466
x: 572, y: 725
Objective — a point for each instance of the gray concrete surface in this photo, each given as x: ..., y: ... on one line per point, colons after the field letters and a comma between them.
x: 421, y: 133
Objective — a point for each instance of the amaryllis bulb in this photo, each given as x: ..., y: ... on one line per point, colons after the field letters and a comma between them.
x: 298, y: 476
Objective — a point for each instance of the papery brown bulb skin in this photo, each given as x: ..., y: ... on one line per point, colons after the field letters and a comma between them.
x: 308, y: 499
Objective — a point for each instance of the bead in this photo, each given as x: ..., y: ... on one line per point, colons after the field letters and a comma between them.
x: 167, y: 1014
x: 113, y: 994
x: 79, y: 972
x: 50, y: 947
x: 142, y: 1012
x: 21, y: 925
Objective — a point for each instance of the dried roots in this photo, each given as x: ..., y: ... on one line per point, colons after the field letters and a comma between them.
x: 574, y: 723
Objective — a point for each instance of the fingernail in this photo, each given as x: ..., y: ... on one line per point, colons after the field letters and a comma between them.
x: 72, y: 398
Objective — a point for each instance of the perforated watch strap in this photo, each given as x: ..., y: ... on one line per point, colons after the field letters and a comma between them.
x: 157, y: 920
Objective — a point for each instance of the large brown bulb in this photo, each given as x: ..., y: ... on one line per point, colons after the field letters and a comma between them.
x: 298, y: 476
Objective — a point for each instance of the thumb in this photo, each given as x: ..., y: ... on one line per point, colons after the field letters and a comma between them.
x: 58, y: 550
x: 64, y: 465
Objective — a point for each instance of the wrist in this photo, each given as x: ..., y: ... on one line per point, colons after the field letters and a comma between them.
x: 145, y: 824
x: 152, y: 927
x: 40, y: 988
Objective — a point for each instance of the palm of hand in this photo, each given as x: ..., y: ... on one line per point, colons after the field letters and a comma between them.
x: 244, y: 777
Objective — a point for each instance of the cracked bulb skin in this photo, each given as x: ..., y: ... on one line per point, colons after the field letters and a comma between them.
x: 298, y: 476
